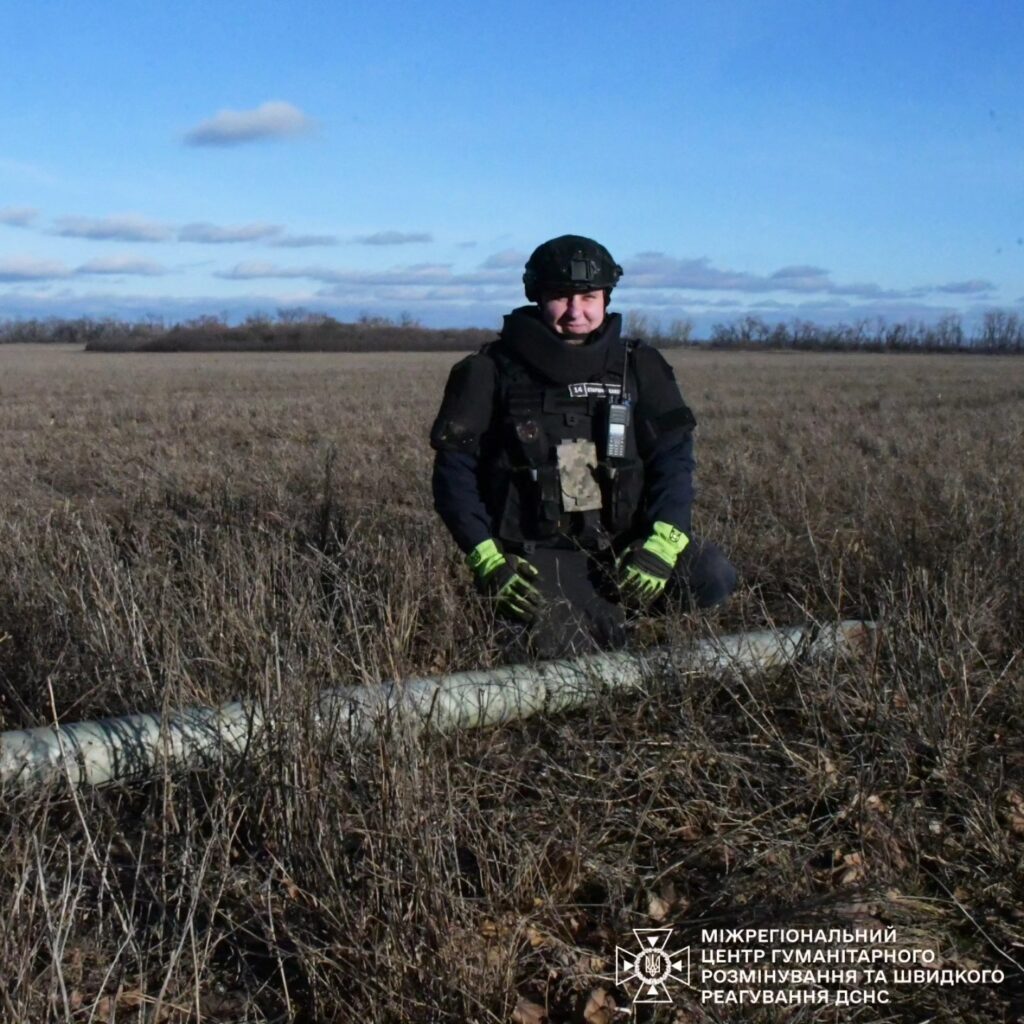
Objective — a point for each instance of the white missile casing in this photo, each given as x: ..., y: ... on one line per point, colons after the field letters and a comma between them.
x: 137, y: 746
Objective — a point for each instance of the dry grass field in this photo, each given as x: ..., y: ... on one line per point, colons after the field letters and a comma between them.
x: 181, y: 528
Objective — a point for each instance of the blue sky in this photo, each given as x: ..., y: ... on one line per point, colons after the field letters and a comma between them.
x: 827, y: 160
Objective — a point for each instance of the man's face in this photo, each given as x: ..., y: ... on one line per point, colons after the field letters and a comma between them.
x: 573, y: 316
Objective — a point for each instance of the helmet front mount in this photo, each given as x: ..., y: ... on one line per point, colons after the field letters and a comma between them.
x: 568, y: 265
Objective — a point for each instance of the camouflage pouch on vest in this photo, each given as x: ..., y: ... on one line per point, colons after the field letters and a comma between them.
x: 577, y: 465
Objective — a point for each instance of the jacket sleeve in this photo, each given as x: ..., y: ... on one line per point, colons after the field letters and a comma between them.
x: 464, y: 418
x: 457, y: 498
x: 668, y: 481
x: 665, y: 439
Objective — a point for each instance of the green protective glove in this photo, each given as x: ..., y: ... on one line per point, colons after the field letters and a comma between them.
x: 507, y: 580
x: 645, y: 569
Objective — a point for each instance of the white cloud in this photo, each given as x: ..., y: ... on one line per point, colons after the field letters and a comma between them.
x: 275, y: 119
x: 656, y: 270
x: 394, y: 238
x: 304, y: 241
x: 128, y: 228
x: 421, y: 275
x: 122, y: 265
x: 214, y: 234
x: 800, y: 276
x: 18, y: 216
x: 976, y: 286
x: 505, y: 259
x: 254, y: 269
x: 25, y: 268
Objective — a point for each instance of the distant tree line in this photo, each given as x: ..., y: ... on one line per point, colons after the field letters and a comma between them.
x: 998, y: 331
x: 287, y: 331
x: 637, y: 324
x: 298, y: 330
x: 80, y: 331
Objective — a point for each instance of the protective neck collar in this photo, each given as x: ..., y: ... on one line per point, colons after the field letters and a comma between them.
x: 531, y: 340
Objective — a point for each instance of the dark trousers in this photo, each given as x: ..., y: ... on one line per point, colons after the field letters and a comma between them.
x: 582, y: 612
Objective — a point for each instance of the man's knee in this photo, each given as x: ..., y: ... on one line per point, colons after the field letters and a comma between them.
x: 576, y: 617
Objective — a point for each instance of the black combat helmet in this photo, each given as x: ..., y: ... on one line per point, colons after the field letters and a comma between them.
x: 570, y: 263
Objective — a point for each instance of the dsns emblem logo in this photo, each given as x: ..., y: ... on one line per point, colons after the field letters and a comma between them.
x: 653, y: 967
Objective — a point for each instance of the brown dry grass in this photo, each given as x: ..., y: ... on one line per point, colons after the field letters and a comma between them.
x: 180, y: 528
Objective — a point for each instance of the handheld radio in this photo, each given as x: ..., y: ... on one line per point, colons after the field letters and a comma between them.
x: 618, y: 416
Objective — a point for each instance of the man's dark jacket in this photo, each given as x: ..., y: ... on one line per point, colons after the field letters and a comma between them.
x: 473, y: 443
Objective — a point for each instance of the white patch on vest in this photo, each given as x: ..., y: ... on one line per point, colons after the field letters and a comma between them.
x: 590, y: 388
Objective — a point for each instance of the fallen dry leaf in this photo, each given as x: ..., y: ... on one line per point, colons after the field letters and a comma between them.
x: 657, y: 908
x: 850, y: 869
x: 600, y: 1008
x: 1015, y: 812
x: 529, y: 1013
x: 875, y: 803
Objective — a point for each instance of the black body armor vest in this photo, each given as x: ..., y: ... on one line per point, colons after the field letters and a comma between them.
x: 520, y: 479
